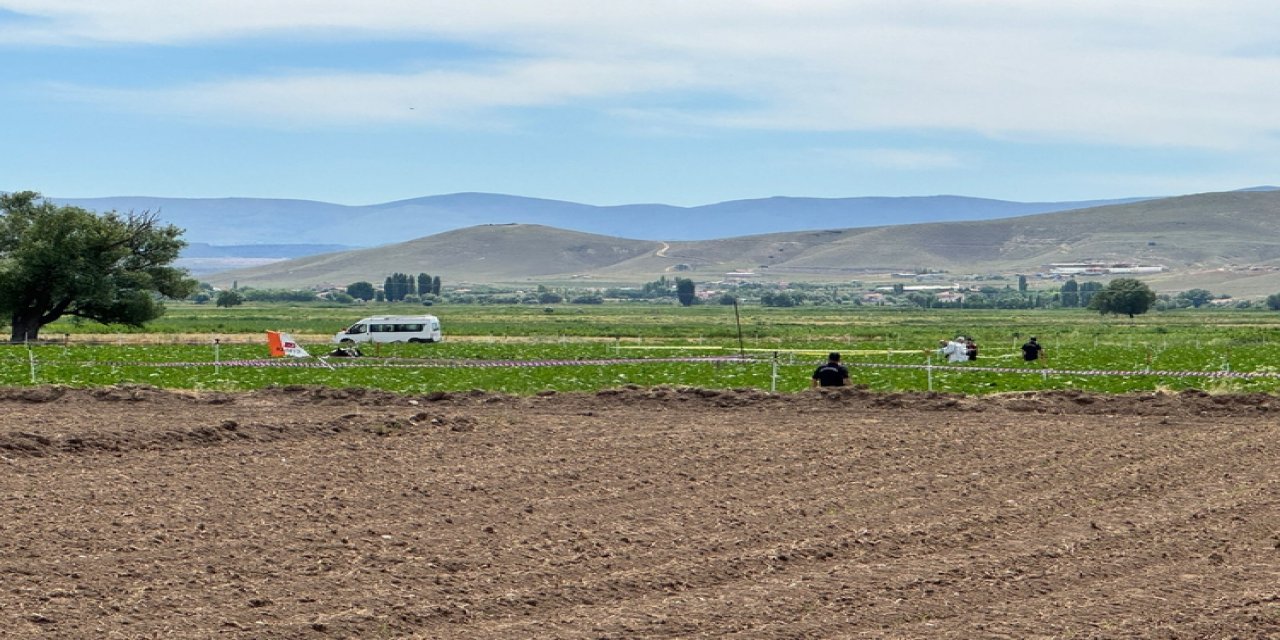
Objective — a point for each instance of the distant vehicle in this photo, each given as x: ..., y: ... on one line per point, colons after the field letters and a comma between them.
x: 391, y: 329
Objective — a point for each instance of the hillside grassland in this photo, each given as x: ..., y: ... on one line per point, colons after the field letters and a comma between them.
x: 525, y: 349
x: 1188, y: 235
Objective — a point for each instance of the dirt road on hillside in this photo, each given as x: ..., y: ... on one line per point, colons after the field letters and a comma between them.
x: 637, y: 513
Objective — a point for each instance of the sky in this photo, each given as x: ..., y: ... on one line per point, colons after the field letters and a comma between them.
x: 604, y: 102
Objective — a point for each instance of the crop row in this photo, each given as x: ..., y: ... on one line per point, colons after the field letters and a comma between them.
x: 465, y: 365
x: 790, y: 342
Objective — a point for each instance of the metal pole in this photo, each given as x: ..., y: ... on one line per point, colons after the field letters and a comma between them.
x: 773, y: 386
x: 742, y: 351
x: 217, y: 360
x: 31, y: 361
x: 928, y: 367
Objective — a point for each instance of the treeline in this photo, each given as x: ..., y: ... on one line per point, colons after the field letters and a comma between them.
x: 397, y: 288
x: 1071, y: 294
x: 426, y: 289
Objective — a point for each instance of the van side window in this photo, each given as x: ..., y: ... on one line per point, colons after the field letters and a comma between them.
x: 381, y: 328
x: 409, y: 327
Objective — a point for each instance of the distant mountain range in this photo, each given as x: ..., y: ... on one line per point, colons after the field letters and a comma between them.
x: 258, y: 221
x: 1225, y: 242
x: 204, y: 250
x: 230, y: 233
x: 202, y: 258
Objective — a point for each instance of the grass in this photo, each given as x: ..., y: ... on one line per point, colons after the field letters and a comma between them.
x: 650, y: 334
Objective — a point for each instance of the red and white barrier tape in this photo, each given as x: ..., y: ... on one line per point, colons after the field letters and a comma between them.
x: 460, y: 364
x: 1076, y: 372
x: 418, y: 364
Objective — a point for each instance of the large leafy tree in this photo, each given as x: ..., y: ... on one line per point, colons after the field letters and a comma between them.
x: 363, y: 290
x: 228, y: 298
x: 1088, y: 290
x: 686, y: 291
x: 1071, y: 293
x: 60, y: 261
x: 397, y: 286
x: 1128, y: 296
x: 1196, y: 297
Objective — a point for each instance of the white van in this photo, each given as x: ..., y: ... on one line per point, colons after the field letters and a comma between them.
x: 392, y: 329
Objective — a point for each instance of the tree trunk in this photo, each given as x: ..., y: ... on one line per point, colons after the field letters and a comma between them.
x: 25, y: 329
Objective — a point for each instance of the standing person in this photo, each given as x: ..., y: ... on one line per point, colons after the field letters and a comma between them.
x: 953, y: 349
x: 831, y: 374
x: 1031, y: 350
x: 970, y: 349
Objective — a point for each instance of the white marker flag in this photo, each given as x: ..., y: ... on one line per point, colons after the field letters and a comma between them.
x: 282, y: 344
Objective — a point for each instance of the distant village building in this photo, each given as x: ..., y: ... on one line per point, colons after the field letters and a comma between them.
x: 931, y: 277
x: 927, y: 288
x: 1101, y: 268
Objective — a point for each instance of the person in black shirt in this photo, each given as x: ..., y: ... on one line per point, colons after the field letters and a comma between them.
x: 831, y: 374
x: 1031, y: 350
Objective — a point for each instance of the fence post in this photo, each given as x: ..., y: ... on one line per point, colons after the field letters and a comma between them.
x: 928, y: 367
x: 31, y: 361
x: 773, y: 385
x: 217, y: 361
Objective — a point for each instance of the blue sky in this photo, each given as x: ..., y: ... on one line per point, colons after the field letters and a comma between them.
x: 605, y: 102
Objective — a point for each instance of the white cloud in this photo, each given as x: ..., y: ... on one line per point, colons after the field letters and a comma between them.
x: 1141, y: 72
x: 892, y: 158
x: 431, y: 97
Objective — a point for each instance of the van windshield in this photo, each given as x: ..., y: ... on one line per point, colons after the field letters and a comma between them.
x: 356, y: 328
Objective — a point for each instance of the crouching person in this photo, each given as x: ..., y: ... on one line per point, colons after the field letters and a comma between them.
x: 831, y: 374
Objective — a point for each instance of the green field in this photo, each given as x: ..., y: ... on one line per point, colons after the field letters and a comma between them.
x: 596, y: 337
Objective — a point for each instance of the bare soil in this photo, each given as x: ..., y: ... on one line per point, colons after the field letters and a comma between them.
x: 303, y: 512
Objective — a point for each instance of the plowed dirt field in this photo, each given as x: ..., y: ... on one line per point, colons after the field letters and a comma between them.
x: 296, y: 512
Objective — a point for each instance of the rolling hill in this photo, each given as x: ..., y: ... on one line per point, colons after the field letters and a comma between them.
x: 485, y: 253
x: 1192, y: 235
x: 247, y: 221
